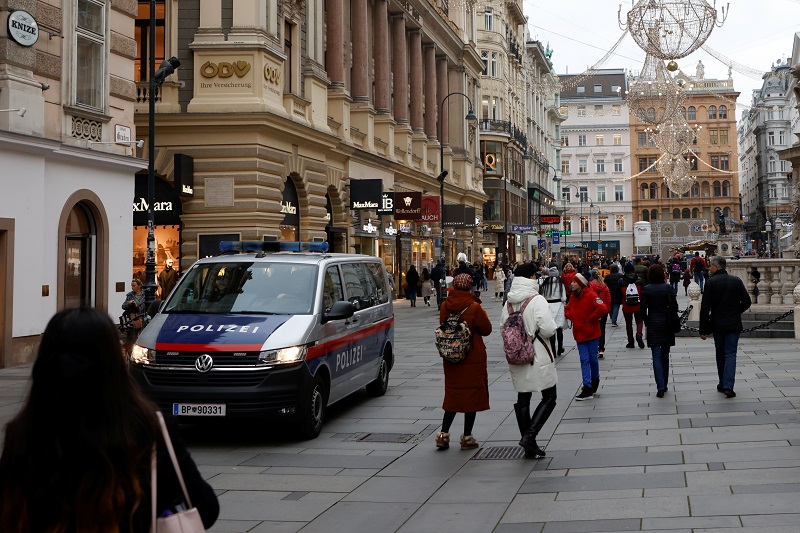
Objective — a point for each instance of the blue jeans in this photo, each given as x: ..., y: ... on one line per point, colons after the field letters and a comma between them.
x: 726, y: 344
x: 661, y: 366
x: 700, y: 279
x: 615, y: 312
x: 674, y: 286
x: 412, y: 293
x: 590, y: 365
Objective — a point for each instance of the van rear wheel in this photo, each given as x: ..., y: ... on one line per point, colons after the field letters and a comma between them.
x: 381, y: 383
x: 312, y: 411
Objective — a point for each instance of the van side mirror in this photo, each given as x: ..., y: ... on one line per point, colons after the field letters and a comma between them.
x: 154, y: 308
x: 339, y: 311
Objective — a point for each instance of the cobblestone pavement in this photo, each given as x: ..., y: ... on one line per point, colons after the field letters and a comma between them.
x: 693, y: 461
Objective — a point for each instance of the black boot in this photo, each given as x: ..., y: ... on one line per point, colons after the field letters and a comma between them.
x: 595, y: 385
x: 540, y: 416
x: 523, y: 412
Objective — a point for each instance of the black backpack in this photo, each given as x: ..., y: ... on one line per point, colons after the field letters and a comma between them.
x: 699, y: 264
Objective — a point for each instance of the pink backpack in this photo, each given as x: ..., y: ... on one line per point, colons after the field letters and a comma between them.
x: 517, y: 344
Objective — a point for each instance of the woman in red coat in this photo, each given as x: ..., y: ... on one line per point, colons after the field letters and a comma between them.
x: 466, y: 384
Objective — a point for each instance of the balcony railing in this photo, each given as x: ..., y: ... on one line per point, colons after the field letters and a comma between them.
x: 505, y: 127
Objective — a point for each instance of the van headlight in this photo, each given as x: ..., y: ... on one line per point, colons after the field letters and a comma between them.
x: 291, y: 354
x: 142, y: 356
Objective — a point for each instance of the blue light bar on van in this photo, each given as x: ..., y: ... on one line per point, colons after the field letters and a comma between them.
x: 272, y: 246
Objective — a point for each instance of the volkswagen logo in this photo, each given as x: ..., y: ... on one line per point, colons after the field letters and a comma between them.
x: 204, y: 363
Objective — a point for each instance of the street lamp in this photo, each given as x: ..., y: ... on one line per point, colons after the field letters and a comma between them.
x: 157, y: 78
x: 768, y: 228
x: 443, y: 173
x: 778, y: 228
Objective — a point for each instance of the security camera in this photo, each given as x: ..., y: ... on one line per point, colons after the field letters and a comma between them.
x: 140, y: 143
x: 45, y: 86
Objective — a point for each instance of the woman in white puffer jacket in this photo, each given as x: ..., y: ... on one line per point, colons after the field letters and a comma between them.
x: 540, y: 375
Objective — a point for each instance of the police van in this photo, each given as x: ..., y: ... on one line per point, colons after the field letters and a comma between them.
x: 269, y: 330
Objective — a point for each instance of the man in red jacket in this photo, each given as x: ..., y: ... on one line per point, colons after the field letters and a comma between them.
x: 585, y: 309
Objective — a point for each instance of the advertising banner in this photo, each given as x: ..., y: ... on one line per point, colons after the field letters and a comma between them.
x: 430, y: 209
x: 408, y: 206
x: 365, y: 194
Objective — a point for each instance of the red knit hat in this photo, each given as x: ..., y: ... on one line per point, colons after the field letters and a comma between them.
x: 463, y: 282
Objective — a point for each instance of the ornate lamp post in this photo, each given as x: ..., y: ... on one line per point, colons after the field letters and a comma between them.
x: 443, y: 173
x: 157, y: 78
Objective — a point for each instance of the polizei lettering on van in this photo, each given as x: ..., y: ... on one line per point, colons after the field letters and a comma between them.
x: 349, y: 357
x: 221, y: 327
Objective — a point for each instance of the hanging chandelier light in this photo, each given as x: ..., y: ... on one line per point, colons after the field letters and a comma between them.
x: 653, y: 96
x: 671, y: 29
x: 674, y: 136
x: 675, y: 170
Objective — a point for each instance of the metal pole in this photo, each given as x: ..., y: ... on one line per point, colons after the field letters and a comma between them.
x: 150, y: 262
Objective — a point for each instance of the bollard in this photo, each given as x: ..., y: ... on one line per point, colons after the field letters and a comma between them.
x: 694, y: 301
x: 796, y: 295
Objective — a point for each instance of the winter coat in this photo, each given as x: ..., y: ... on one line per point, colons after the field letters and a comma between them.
x: 724, y: 300
x: 555, y: 294
x: 626, y: 280
x: 674, y: 277
x: 642, y: 272
x: 427, y: 287
x: 412, y: 277
x: 541, y: 374
x: 602, y: 291
x: 466, y: 384
x: 567, y: 277
x: 658, y: 302
x: 499, y: 279
x: 612, y: 281
x: 585, y: 309
x: 687, y: 278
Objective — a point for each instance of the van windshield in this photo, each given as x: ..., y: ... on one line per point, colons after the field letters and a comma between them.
x: 246, y: 288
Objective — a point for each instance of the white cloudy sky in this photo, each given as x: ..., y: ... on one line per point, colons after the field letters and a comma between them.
x: 755, y: 34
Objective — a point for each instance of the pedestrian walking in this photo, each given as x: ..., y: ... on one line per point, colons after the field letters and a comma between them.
x: 675, y: 273
x: 78, y: 455
x: 466, y: 384
x: 567, y: 273
x: 630, y: 287
x: 539, y: 375
x: 556, y: 295
x: 687, y: 280
x: 412, y: 284
x: 601, y: 289
x: 427, y: 287
x: 724, y: 300
x: 499, y: 281
x: 658, y: 304
x: 584, y: 309
x: 612, y: 280
x: 698, y: 268
x: 438, y: 274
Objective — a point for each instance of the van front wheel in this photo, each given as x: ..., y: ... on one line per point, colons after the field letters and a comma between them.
x: 381, y: 383
x: 312, y: 410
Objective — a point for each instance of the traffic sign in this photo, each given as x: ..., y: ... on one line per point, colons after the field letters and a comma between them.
x: 556, y: 238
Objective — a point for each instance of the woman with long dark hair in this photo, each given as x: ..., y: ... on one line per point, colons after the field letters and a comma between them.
x: 658, y: 301
x: 77, y: 457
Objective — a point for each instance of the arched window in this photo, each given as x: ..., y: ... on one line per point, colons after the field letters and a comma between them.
x: 723, y: 111
x: 726, y: 188
x: 79, y: 261
x: 727, y: 212
x: 645, y: 215
x: 772, y: 164
x: 706, y: 190
x: 654, y: 214
x: 653, y: 191
x: 712, y: 112
x: 686, y: 213
x: 695, y: 213
x: 645, y: 188
x: 717, y: 189
x: 692, y: 113
x: 683, y: 113
x: 664, y: 191
x: 696, y: 190
x: 676, y: 214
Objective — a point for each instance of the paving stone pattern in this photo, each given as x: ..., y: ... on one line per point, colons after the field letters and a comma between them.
x: 692, y: 461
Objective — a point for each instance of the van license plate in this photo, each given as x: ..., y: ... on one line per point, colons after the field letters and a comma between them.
x: 198, y: 409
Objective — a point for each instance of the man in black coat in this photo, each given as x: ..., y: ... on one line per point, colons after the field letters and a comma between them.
x: 612, y: 280
x: 725, y: 298
x: 437, y: 276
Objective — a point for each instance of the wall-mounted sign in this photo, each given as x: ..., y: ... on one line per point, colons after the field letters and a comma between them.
x: 368, y: 227
x: 184, y: 174
x: 408, y: 206
x: 405, y: 228
x: 288, y: 208
x: 387, y: 204
x: 549, y: 219
x: 526, y: 227
x: 22, y: 28
x: 430, y: 208
x: 223, y: 69
x: 365, y: 194
x: 289, y: 203
x: 122, y: 134
x: 272, y: 75
x: 391, y: 230
x: 166, y: 203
